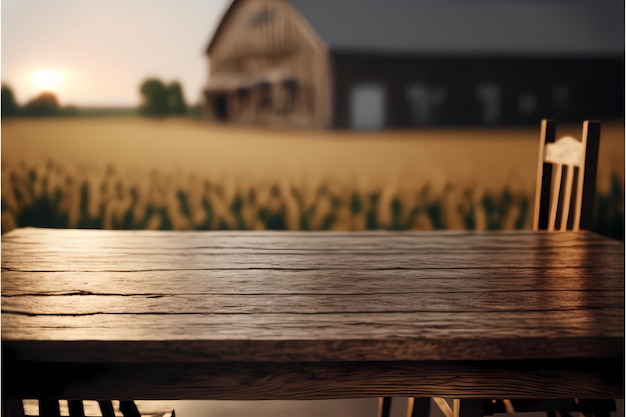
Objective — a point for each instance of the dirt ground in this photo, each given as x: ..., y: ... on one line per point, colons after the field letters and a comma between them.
x: 490, y: 157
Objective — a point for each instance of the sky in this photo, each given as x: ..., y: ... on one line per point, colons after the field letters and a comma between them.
x: 97, y: 52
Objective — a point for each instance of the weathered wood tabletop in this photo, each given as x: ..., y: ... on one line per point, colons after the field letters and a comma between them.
x: 288, y: 315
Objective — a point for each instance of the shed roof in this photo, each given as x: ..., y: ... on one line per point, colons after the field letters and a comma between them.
x: 486, y: 27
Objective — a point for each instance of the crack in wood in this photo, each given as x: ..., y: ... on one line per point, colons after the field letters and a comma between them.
x: 297, y: 313
x: 301, y: 294
x: 89, y: 293
x: 347, y: 268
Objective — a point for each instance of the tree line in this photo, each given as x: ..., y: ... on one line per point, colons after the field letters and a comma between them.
x: 157, y: 100
x: 44, y: 104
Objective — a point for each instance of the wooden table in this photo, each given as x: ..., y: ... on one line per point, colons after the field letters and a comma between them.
x: 288, y: 315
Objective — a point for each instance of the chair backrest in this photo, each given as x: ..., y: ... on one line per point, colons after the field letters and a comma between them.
x: 566, y: 178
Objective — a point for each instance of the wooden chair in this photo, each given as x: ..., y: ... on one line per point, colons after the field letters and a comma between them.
x: 75, y: 408
x: 566, y: 179
x: 564, y: 200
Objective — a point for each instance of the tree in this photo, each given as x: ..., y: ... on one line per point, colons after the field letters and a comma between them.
x: 154, y: 98
x: 160, y: 100
x: 45, y: 104
x: 175, y: 100
x: 9, y: 105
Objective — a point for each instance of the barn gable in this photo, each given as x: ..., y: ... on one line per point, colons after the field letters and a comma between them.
x: 255, y: 26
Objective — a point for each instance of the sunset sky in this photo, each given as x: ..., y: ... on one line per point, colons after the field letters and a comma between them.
x: 97, y: 52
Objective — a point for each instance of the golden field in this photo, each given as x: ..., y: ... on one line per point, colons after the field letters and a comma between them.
x: 184, y: 174
x: 489, y: 157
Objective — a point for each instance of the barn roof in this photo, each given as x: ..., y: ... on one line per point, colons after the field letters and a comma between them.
x: 512, y: 27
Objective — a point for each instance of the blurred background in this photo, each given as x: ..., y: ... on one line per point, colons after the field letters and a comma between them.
x: 275, y: 114
x: 301, y: 115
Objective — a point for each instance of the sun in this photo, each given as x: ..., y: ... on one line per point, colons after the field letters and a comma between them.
x: 47, y: 80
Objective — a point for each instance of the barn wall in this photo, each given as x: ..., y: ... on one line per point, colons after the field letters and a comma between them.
x: 265, y: 46
x: 440, y: 91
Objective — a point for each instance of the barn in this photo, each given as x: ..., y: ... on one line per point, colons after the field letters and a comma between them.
x: 384, y: 64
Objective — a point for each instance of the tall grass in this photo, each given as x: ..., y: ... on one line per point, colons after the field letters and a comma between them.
x: 54, y: 195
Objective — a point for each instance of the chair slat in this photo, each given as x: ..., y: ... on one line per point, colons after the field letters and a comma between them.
x: 567, y: 198
x: 588, y: 173
x: 544, y: 170
x: 554, y: 197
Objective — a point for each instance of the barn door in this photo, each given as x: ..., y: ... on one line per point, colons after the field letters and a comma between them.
x: 367, y: 106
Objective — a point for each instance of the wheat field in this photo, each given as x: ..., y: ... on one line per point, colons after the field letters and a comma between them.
x: 132, y: 173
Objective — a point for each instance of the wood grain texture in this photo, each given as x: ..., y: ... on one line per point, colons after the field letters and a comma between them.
x: 210, y: 298
x: 145, y: 251
x: 313, y: 282
x: 263, y: 303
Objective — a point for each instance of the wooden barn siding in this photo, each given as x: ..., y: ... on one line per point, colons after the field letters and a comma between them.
x: 286, y: 42
x: 596, y: 86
